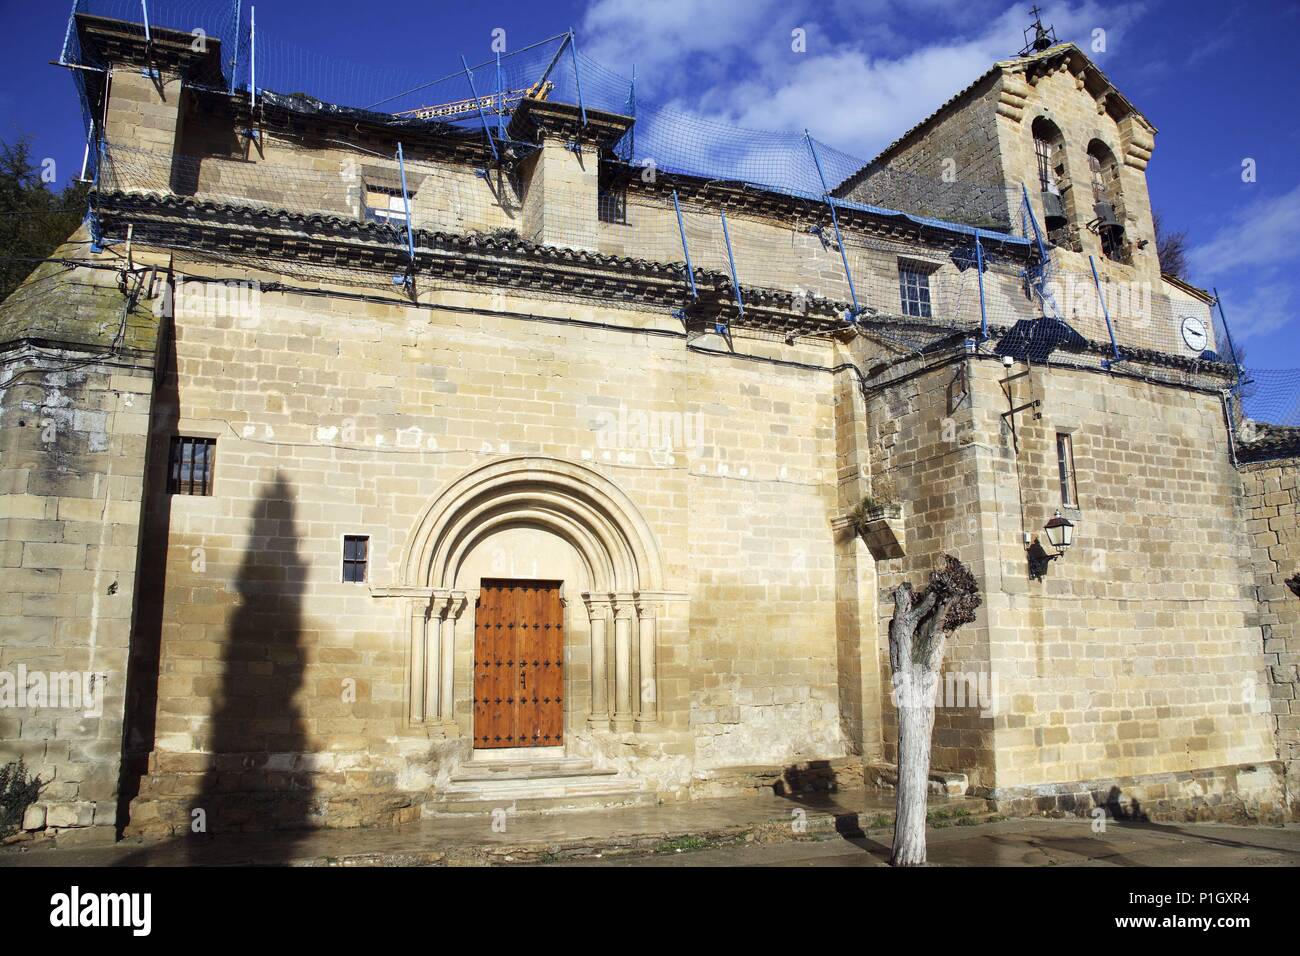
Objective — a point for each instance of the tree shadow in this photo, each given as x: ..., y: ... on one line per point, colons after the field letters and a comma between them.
x: 812, y: 785
x: 256, y: 780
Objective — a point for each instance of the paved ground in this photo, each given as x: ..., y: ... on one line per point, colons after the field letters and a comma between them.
x: 1034, y: 842
x: 847, y: 829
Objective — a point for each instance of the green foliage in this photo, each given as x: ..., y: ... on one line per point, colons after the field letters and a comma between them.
x: 34, y: 220
x: 683, y: 844
x: 18, y: 791
x: 869, y: 508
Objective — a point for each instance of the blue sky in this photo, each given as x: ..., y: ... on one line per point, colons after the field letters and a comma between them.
x: 1219, y: 83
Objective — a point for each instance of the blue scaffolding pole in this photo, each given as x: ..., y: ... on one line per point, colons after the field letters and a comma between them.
x: 577, y: 79
x: 67, y: 35
x: 1033, y: 221
x: 1232, y: 349
x: 144, y: 9
x: 681, y: 228
x: 252, y: 56
x: 1043, y: 258
x: 979, y: 274
x: 501, y: 100
x: 1110, y: 329
x: 835, y: 221
x: 487, y: 130
x: 410, y: 237
x: 631, y: 111
x: 731, y: 261
x: 234, y: 62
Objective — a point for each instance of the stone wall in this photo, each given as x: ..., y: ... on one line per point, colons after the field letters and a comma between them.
x: 951, y: 171
x: 335, y: 417
x: 925, y: 449
x: 1272, y: 502
x: 73, y: 424
x: 1135, y: 654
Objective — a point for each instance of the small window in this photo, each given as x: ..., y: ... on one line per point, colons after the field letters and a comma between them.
x: 356, y: 552
x: 189, y: 468
x: 613, y: 204
x: 914, y: 290
x: 385, y: 204
x: 1065, y: 465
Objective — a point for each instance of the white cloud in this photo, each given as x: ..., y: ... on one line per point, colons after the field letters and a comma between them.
x: 1268, y: 306
x: 1263, y: 234
x: 859, y: 85
x: 660, y: 35
x: 1257, y: 250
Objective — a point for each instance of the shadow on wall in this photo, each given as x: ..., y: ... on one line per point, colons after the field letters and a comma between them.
x: 255, y: 738
x: 1116, y: 809
x: 146, y: 630
x: 254, y: 780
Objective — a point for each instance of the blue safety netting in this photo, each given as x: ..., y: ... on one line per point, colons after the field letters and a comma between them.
x: 669, y: 140
x: 674, y: 141
x: 217, y: 19
x: 1271, y: 395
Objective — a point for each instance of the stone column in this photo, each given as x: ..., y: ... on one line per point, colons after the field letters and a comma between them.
x: 647, y: 635
x: 455, y: 605
x: 623, y: 608
x: 432, y: 659
x: 419, y: 618
x: 597, y: 613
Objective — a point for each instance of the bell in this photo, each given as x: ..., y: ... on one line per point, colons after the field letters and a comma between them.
x: 1053, y: 211
x: 1106, y: 221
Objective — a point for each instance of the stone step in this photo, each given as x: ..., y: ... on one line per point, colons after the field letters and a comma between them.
x: 538, y: 800
x: 528, y: 770
x: 521, y: 784
x: 534, y: 786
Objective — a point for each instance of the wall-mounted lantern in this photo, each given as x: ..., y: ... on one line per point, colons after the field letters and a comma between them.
x: 1060, y: 535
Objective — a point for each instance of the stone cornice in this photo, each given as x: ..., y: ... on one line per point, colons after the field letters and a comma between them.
x: 105, y: 41
x: 496, y: 261
x: 536, y: 119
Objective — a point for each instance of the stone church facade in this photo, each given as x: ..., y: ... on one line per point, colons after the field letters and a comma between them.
x: 542, y: 525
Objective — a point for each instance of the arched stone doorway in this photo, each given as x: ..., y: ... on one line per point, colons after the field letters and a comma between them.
x: 535, y: 518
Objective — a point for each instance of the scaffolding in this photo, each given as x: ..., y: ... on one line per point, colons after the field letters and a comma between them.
x: 735, y: 214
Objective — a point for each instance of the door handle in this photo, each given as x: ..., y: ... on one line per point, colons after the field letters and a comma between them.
x: 523, y: 678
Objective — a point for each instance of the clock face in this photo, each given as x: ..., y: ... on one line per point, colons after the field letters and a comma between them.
x: 1194, y: 334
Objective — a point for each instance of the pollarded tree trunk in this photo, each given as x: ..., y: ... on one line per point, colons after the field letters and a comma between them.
x: 917, y: 634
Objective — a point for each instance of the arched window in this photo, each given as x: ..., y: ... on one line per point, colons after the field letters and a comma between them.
x: 1107, y: 201
x: 1053, y: 179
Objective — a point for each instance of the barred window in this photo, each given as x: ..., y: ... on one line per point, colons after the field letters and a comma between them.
x: 914, y: 290
x: 387, y: 204
x: 189, y: 467
x: 613, y: 204
x: 356, y: 552
x: 1043, y: 154
x: 1065, y: 465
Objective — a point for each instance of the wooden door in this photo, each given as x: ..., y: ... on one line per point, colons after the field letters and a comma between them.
x: 518, y: 664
